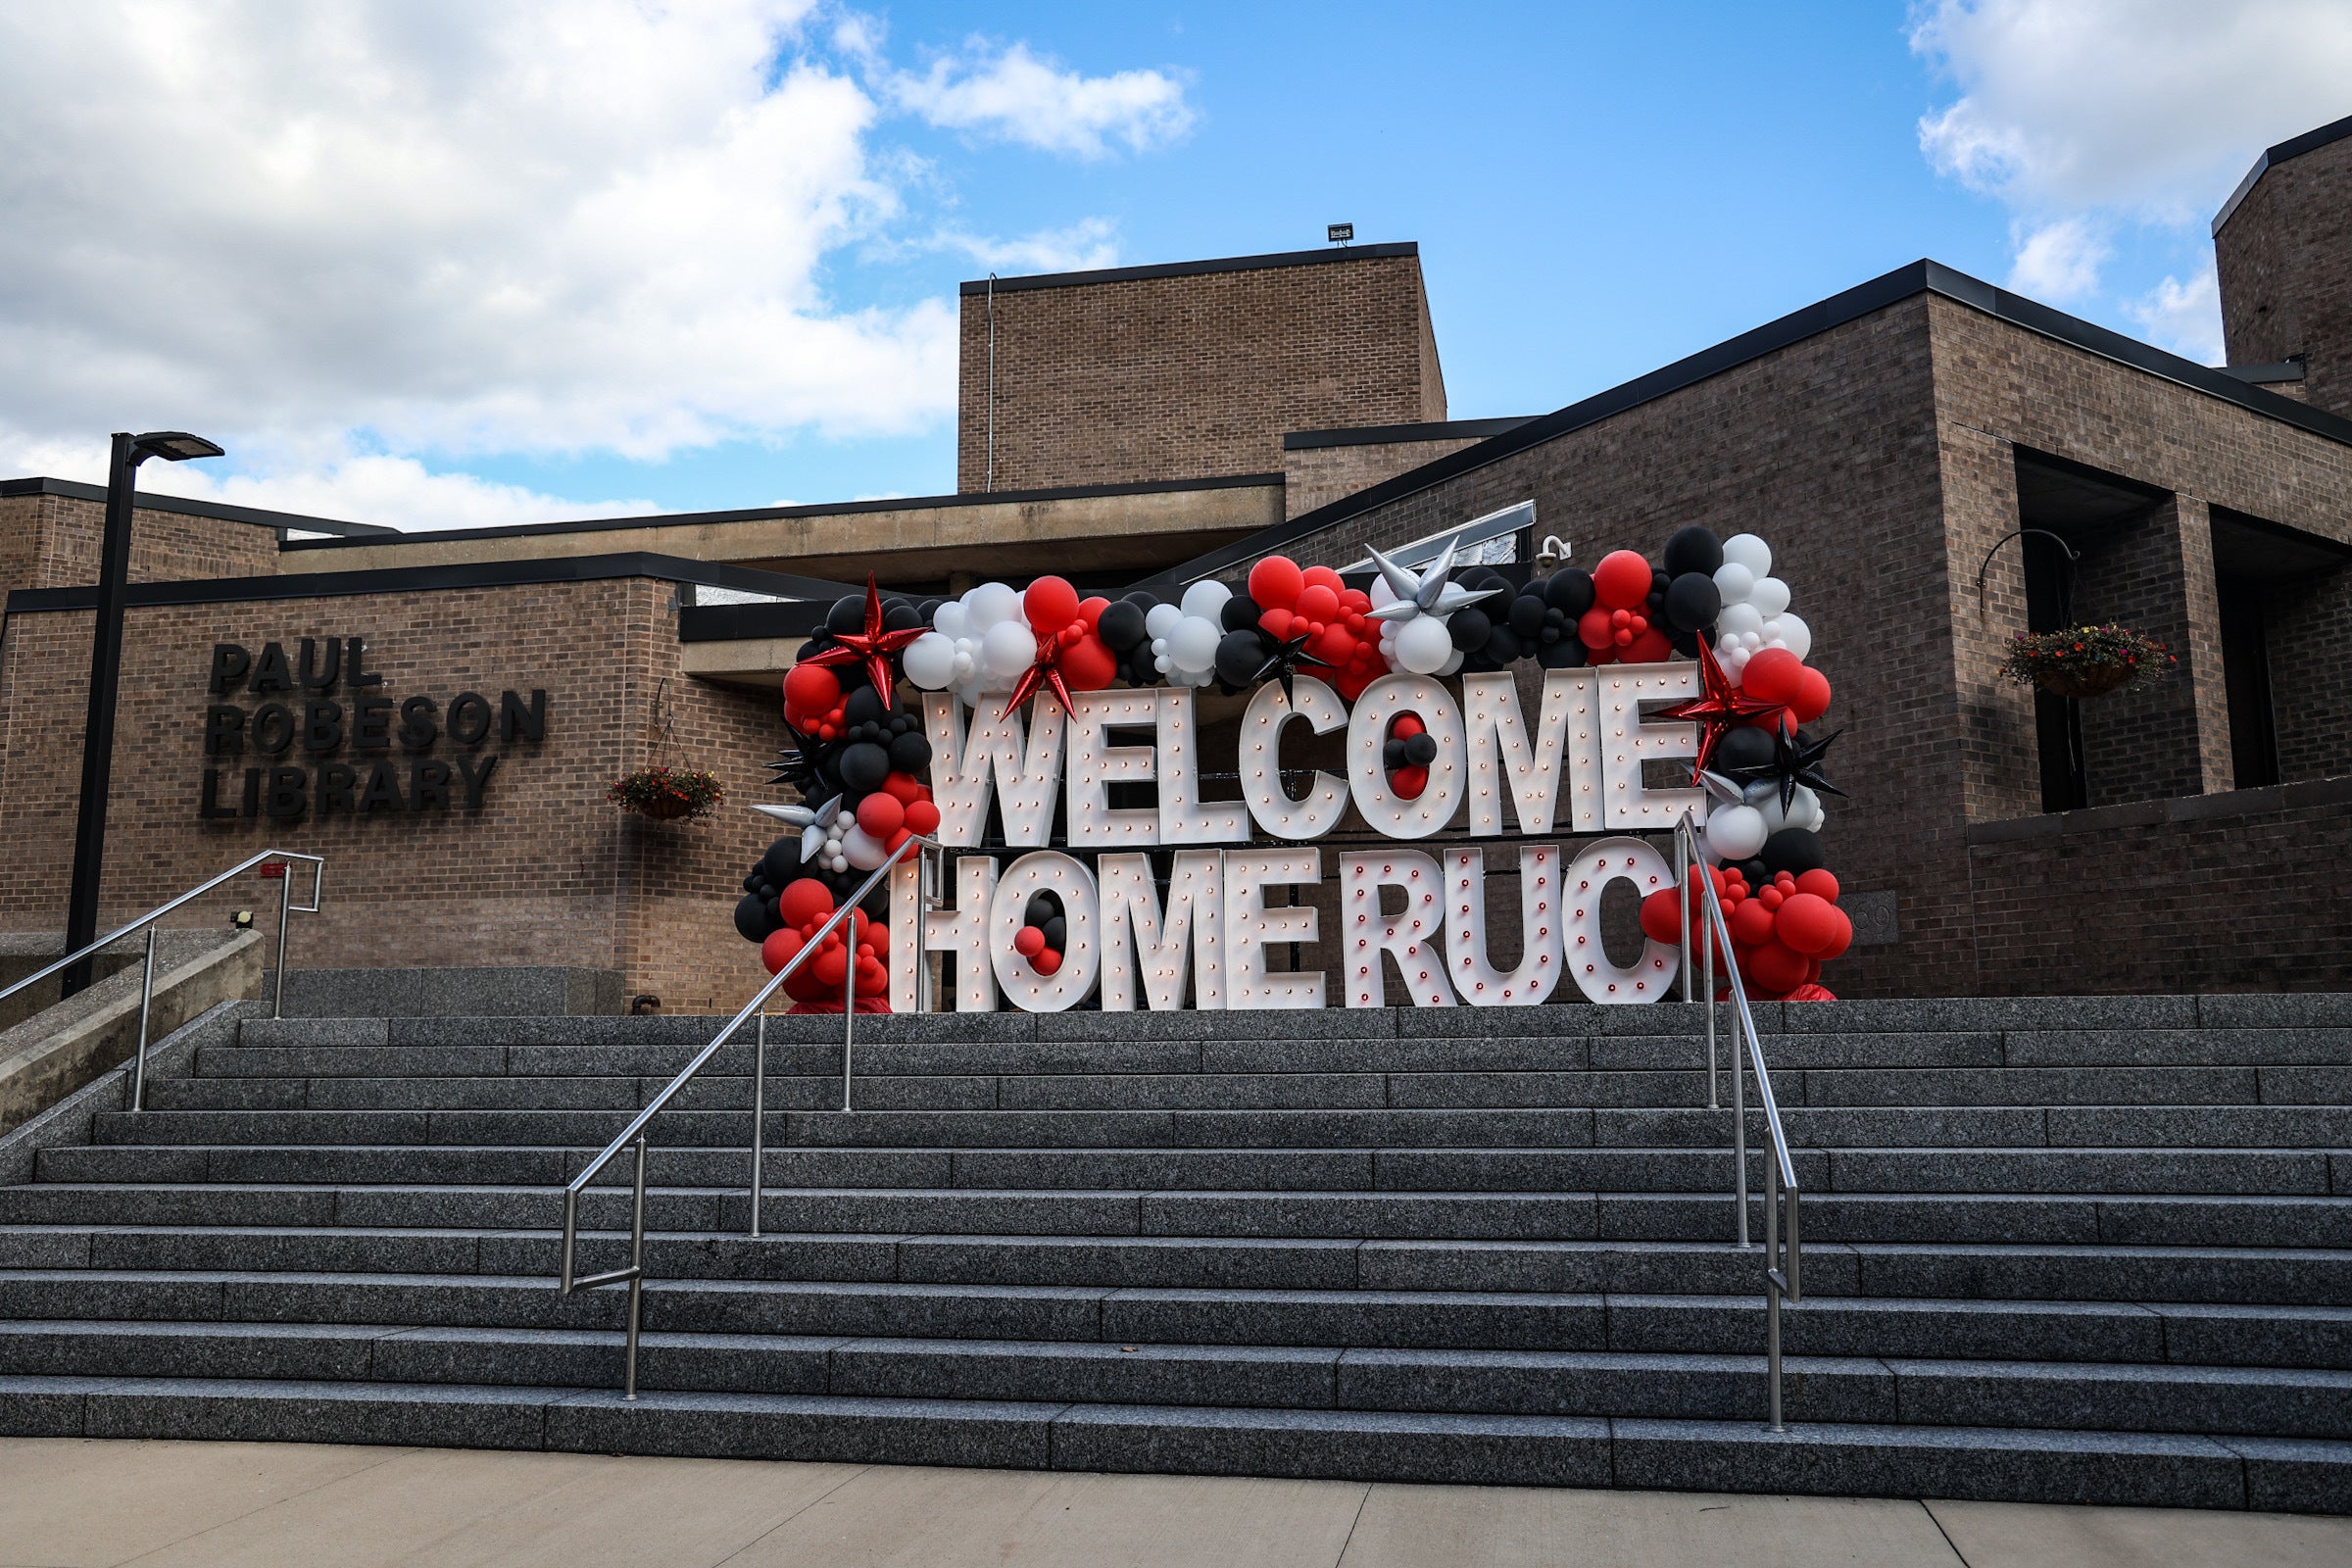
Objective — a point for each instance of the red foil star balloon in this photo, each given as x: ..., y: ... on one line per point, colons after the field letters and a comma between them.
x: 1045, y: 671
x: 1719, y: 707
x: 872, y: 645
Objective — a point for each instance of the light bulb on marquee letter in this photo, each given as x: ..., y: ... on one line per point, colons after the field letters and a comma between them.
x: 1592, y: 867
x: 1389, y: 813
x: 1481, y: 984
x: 1047, y: 871
x: 1261, y: 760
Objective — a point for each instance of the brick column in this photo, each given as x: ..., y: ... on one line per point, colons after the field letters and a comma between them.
x: 2308, y: 626
x: 2169, y: 737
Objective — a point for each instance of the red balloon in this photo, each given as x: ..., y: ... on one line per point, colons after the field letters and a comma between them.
x: 811, y: 689
x: 1325, y: 577
x: 1029, y: 942
x: 1661, y: 916
x: 1752, y: 923
x: 1806, y: 923
x: 1045, y: 962
x: 873, y: 937
x: 828, y: 969
x: 1595, y: 630
x: 1050, y: 603
x: 1318, y: 603
x: 1409, y: 782
x: 804, y: 902
x: 1276, y: 582
x: 1351, y: 682
x: 1842, y: 939
x: 1622, y: 580
x: 1407, y: 726
x: 1336, y: 647
x: 1354, y: 601
x: 1774, y: 674
x: 881, y: 814
x: 1650, y: 648
x: 1091, y: 610
x: 1276, y: 624
x: 1818, y: 882
x: 1812, y: 699
x: 1088, y: 666
x: 923, y: 818
x: 777, y: 951
x: 1776, y: 968
x: 906, y: 786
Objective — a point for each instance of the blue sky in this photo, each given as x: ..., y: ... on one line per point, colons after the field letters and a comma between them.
x: 696, y: 315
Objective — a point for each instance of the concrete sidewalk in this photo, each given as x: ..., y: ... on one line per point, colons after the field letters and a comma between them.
x: 71, y: 1501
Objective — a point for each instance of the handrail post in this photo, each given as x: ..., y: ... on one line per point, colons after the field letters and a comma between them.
x: 1772, y: 1287
x: 285, y: 896
x: 1740, y: 1133
x: 759, y: 1113
x: 636, y: 1277
x: 138, y: 1071
x: 1682, y: 891
x: 571, y: 1231
x: 848, y: 1006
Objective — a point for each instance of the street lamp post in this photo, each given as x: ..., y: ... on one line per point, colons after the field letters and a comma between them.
x: 106, y: 667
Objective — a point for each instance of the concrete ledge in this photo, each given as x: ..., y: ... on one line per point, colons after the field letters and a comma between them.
x: 490, y: 990
x: 69, y: 1123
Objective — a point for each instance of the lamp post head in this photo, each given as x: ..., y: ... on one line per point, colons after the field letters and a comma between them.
x: 172, y: 446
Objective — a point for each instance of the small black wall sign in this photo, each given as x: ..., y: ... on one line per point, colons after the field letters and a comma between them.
x: 288, y: 715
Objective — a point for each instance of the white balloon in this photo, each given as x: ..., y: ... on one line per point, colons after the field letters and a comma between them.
x: 864, y: 851
x: 989, y: 605
x: 1159, y: 621
x: 1770, y: 596
x: 1734, y: 663
x: 1382, y: 594
x: 1424, y: 645
x: 1804, y: 810
x: 1192, y: 644
x: 1750, y: 641
x: 1206, y: 598
x: 1193, y: 677
x: 1739, y: 621
x: 1751, y: 551
x: 931, y: 660
x: 951, y: 619
x: 1735, y: 832
x: 1734, y: 583
x: 1793, y: 634
x: 1008, y: 648
x: 1762, y: 790
x: 1452, y: 665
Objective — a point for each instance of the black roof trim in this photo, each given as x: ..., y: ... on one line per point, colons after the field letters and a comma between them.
x: 1221, y: 264
x: 150, y: 500
x: 427, y: 579
x: 728, y: 623
x: 1890, y: 289
x: 2268, y: 375
x: 675, y: 519
x: 2293, y: 147
x: 1364, y: 436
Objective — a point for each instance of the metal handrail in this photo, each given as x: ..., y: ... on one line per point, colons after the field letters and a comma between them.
x: 277, y: 997
x: 633, y: 1275
x: 1783, y: 1262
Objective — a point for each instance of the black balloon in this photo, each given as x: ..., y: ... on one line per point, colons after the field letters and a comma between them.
x: 1240, y: 613
x: 1058, y: 932
x: 1566, y: 654
x: 1502, y: 645
x: 752, y: 921
x: 1751, y: 871
x: 1040, y: 909
x: 863, y: 767
x: 909, y: 752
x: 846, y: 614
x: 1527, y: 614
x: 1140, y: 596
x: 1793, y: 849
x: 900, y: 615
x: 782, y: 861
x: 862, y: 707
x: 1123, y: 626
x: 1421, y: 750
x: 1742, y: 748
x: 1241, y: 654
x: 1694, y: 549
x: 1470, y: 628
x: 1568, y: 589
x: 1685, y: 643
x: 1693, y: 601
x: 1392, y: 754
x: 928, y: 608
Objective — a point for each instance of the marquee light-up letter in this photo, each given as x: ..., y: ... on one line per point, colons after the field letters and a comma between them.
x: 1024, y: 772
x: 1320, y: 810
x: 1390, y: 814
x: 1136, y: 938
x: 964, y: 932
x: 1366, y: 933
x: 1094, y: 762
x: 1482, y: 985
x: 1506, y: 767
x: 1590, y: 870
x: 1249, y: 925
x: 1626, y: 740
x: 1047, y: 871
x: 1183, y: 817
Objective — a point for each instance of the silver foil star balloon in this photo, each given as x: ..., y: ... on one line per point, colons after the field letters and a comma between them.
x: 814, y: 822
x: 1426, y: 592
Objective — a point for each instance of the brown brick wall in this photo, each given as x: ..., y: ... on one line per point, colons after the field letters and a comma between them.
x: 53, y: 540
x: 1186, y: 377
x: 548, y: 873
x: 1316, y: 477
x: 2308, y: 625
x: 2169, y: 736
x: 2284, y: 262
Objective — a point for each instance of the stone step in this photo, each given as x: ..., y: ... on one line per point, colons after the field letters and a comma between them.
x: 1412, y: 1315
x: 2036, y: 1218
x: 2099, y: 1171
x: 2237, y: 1401
x: 2318, y: 1127
x: 1862, y: 1459
x: 1141, y: 1090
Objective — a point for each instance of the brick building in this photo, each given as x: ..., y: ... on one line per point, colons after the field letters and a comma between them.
x: 1160, y: 425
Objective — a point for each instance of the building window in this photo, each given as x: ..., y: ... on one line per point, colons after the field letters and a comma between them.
x: 2246, y: 678
x: 2057, y: 722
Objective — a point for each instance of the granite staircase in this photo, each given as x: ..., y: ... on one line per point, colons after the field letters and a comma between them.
x: 2092, y: 1250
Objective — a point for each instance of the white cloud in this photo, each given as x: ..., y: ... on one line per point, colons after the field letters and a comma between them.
x: 1089, y: 243
x: 2081, y: 115
x: 1012, y: 95
x: 320, y: 233
x: 2059, y: 260
x: 2183, y: 316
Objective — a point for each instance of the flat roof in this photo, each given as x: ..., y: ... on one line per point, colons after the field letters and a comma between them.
x: 2293, y: 147
x: 1365, y: 435
x: 150, y: 500
x: 1221, y: 264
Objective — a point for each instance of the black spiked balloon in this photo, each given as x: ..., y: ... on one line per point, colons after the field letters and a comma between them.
x: 1285, y: 662
x: 798, y: 764
x: 1793, y: 763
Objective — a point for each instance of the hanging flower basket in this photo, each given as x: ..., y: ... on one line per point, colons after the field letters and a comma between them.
x: 667, y: 794
x: 2086, y: 660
